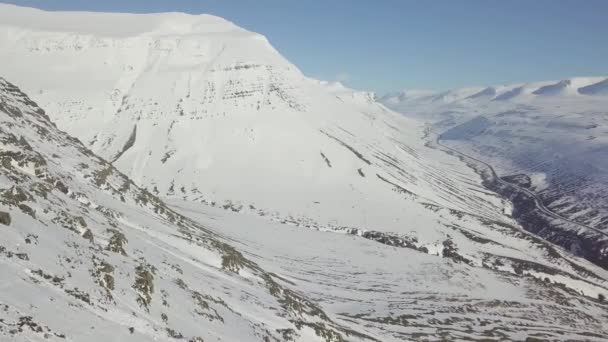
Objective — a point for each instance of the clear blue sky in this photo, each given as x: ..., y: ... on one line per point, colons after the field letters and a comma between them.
x: 385, y: 45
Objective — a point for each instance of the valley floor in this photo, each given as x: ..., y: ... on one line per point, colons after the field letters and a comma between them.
x: 534, y: 216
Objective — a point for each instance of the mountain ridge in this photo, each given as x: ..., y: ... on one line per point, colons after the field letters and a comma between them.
x: 502, y: 92
x: 116, y: 24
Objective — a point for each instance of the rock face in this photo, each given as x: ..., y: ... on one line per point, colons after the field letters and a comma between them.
x: 298, y: 210
x: 5, y: 218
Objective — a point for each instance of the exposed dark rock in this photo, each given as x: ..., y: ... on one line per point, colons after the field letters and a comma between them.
x: 167, y: 156
x: 16, y: 195
x: 88, y: 235
x: 174, y: 334
x: 389, y: 239
x: 522, y: 180
x: 397, y: 187
x: 232, y: 260
x: 61, y: 187
x: 355, y: 152
x: 326, y: 159
x: 130, y: 142
x: 117, y: 242
x: 79, y: 294
x: 27, y: 210
x: 451, y: 251
x: 144, y: 285
x: 5, y: 218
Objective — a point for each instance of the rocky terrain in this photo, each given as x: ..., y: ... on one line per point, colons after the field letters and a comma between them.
x: 88, y: 255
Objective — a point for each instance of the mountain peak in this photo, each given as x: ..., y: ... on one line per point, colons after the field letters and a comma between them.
x: 116, y: 24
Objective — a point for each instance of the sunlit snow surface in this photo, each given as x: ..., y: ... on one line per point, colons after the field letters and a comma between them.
x: 555, y: 132
x: 297, y: 209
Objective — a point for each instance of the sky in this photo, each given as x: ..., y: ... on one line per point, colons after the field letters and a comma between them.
x: 389, y: 45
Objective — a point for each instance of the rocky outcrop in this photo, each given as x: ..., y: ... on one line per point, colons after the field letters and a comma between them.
x: 5, y: 218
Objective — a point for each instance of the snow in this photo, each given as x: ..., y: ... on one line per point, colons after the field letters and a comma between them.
x: 552, y: 131
x: 292, y: 203
x: 115, y: 24
x: 599, y: 88
x: 226, y: 119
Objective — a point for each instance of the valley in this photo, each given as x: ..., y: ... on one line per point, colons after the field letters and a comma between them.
x: 534, y: 216
x: 546, y: 146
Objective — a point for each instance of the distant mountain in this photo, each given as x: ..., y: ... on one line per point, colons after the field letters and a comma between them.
x: 523, y: 92
x: 553, y: 132
x: 599, y: 88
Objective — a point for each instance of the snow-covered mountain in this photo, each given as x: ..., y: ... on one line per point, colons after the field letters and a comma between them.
x: 88, y: 255
x: 297, y: 209
x: 195, y: 108
x: 554, y: 135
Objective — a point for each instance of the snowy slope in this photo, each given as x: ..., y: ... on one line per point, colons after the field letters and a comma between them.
x: 212, y: 113
x: 210, y: 118
x: 554, y: 133
x: 87, y: 255
x: 90, y: 256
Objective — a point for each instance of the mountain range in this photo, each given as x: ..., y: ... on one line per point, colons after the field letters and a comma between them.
x: 550, y: 137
